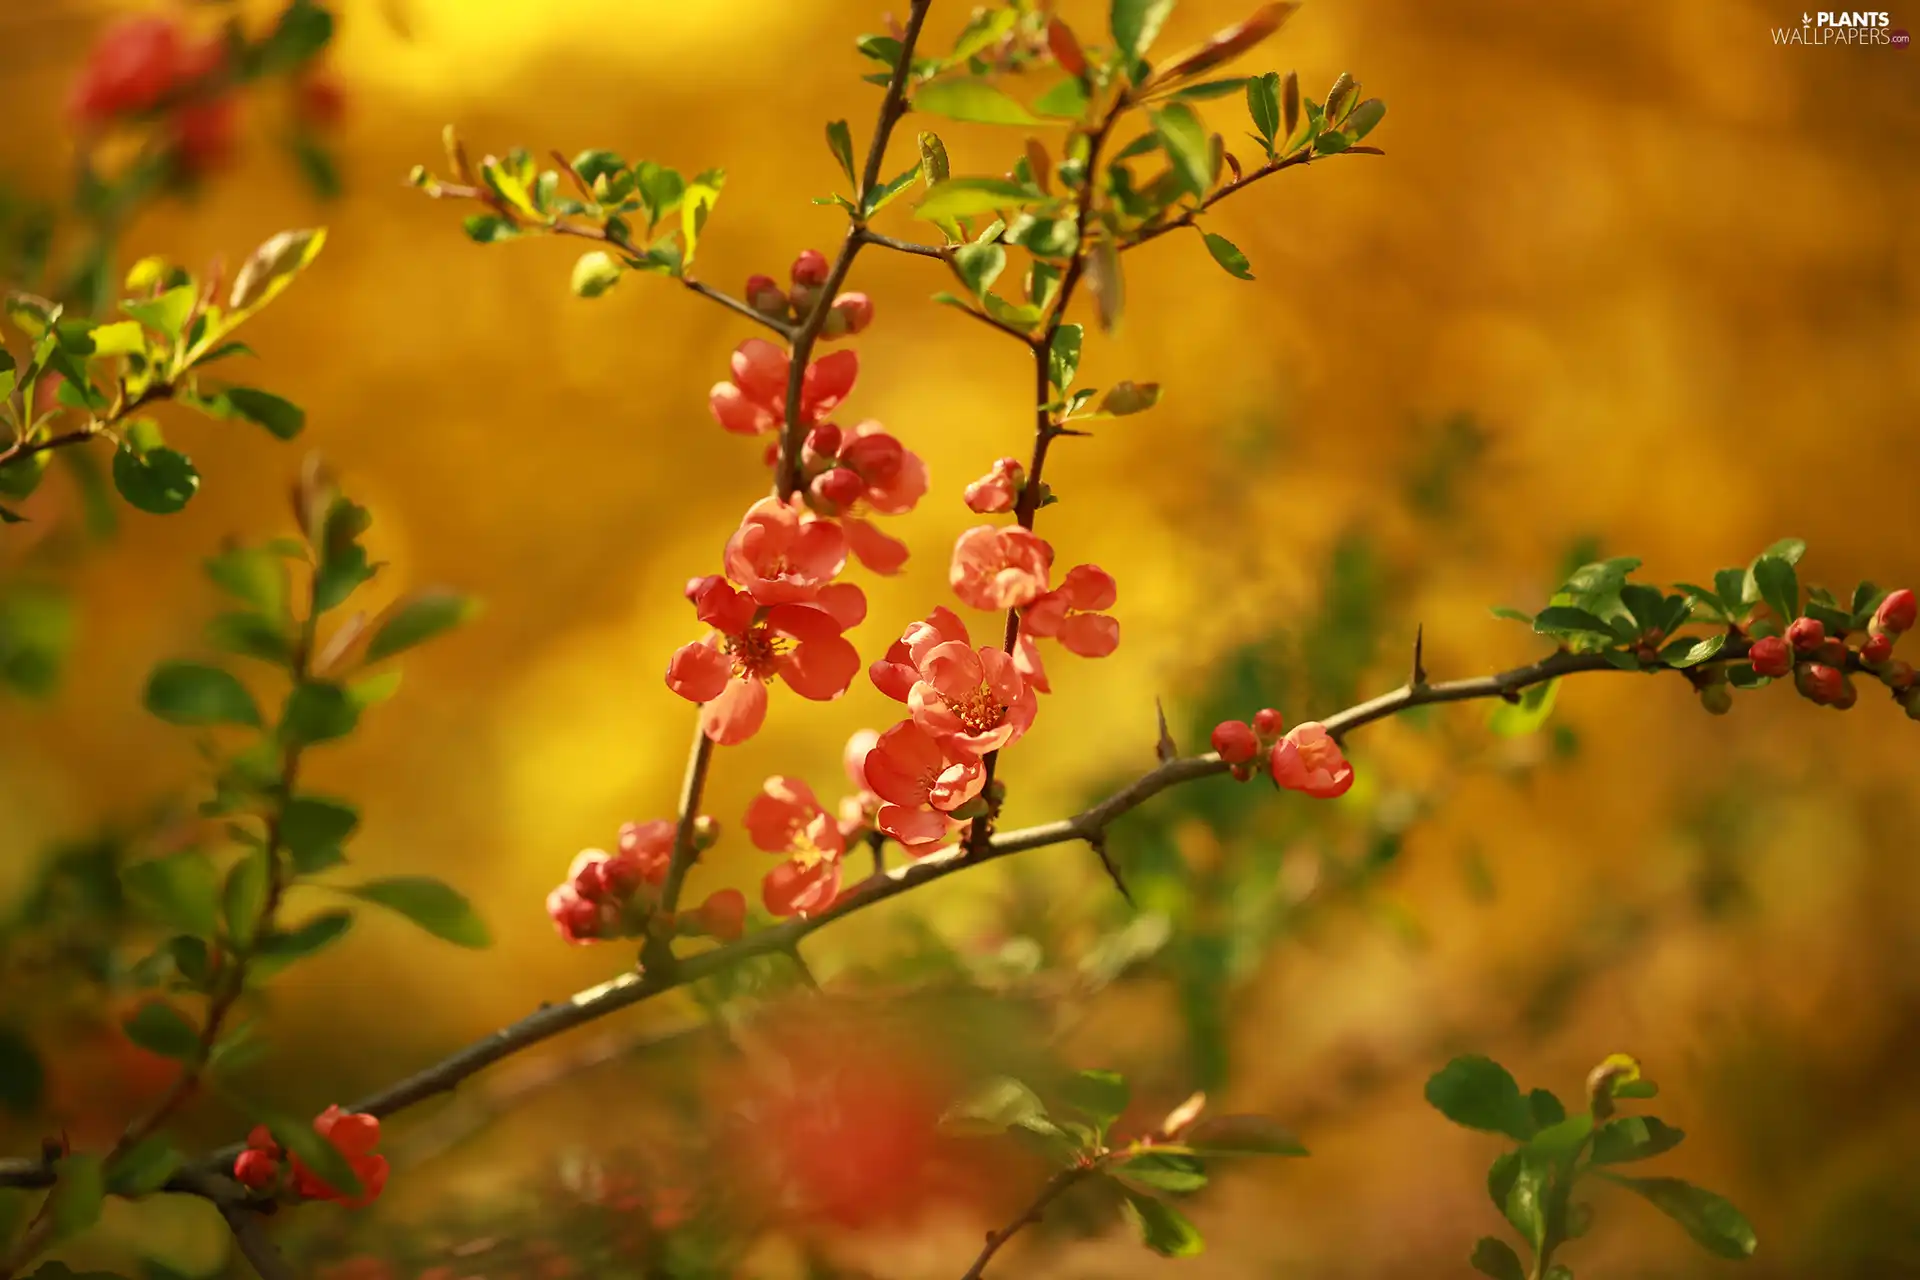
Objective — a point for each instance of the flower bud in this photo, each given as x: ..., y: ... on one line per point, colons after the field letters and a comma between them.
x: 765, y: 295
x: 256, y: 1169
x: 1877, y: 649
x: 1267, y: 723
x: 1805, y: 634
x: 619, y: 876
x: 1910, y: 700
x: 1832, y: 653
x: 1847, y: 696
x: 811, y: 268
x: 579, y: 918
x: 706, y: 833
x: 1816, y: 682
x: 1235, y: 742
x: 1897, y: 612
x: 854, y: 309
x: 998, y: 490
x: 590, y: 882
x: 839, y: 486
x: 1897, y: 676
x: 1243, y: 772
x: 723, y: 915
x: 1770, y: 656
x: 1717, y: 699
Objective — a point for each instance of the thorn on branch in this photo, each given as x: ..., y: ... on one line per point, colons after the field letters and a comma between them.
x: 1099, y: 842
x: 1164, y: 748
x: 802, y: 968
x: 1419, y: 666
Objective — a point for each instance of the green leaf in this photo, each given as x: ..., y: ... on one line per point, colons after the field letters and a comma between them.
x: 1064, y: 101
x: 985, y: 27
x: 244, y: 897
x: 1691, y: 653
x: 883, y: 195
x: 1165, y: 1171
x: 1162, y: 1228
x: 145, y: 1168
x: 318, y: 711
x: 313, y: 828
x: 1184, y: 139
x: 273, y: 267
x: 298, y: 1138
x: 1135, y: 24
x: 1365, y: 116
x: 1788, y: 549
x: 374, y: 689
x: 1779, y: 586
x: 181, y: 891
x: 695, y: 205
x: 1517, y: 719
x: 1063, y: 357
x: 1560, y: 618
x: 968, y: 197
x: 1478, y: 1093
x: 251, y: 574
x: 1228, y: 255
x: 1331, y: 142
x: 1526, y: 1202
x: 1242, y: 1135
x: 418, y: 618
x: 166, y: 314
x: 158, y: 1027
x: 1731, y: 586
x: 488, y: 228
x: 1634, y: 1138
x: 251, y: 636
x: 1714, y: 1223
x: 283, y: 419
x: 1002, y: 1103
x: 23, y: 1078
x: 840, y: 142
x: 158, y: 481
x: 434, y: 906
x: 1127, y: 398
x: 975, y: 101
x: 74, y: 1203
x: 1497, y: 1259
x: 303, y: 31
x: 1098, y: 1095
x: 192, y: 693
x: 123, y: 337
x: 1107, y: 283
x: 978, y: 266
x: 1545, y: 1109
x: 281, y: 947
x: 1208, y: 90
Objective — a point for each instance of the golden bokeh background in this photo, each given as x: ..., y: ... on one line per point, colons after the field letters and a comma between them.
x: 1670, y: 269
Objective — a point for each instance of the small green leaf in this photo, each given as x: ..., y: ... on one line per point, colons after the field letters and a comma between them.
x: 282, y: 418
x: 1517, y: 719
x: 1064, y: 101
x: 1560, y: 618
x: 282, y: 947
x: 374, y: 689
x: 1526, y: 1203
x: 78, y: 1193
x: 1263, y: 104
x: 299, y: 1139
x: 1713, y: 1222
x: 1135, y: 24
x: 123, y: 337
x: 1098, y: 1095
x: 1127, y: 398
x: 1691, y: 653
x: 1497, y: 1259
x: 975, y: 101
x: 251, y: 574
x: 1364, y: 118
x: 251, y: 636
x: 244, y: 897
x: 1228, y: 255
x: 1001, y: 1104
x: 144, y: 1168
x: 1162, y: 1228
x: 1634, y: 1138
x: 434, y: 906
x: 1779, y: 586
x: 1063, y: 357
x: 1546, y: 1110
x: 594, y: 273
x: 1184, y: 139
x: 158, y: 1027
x: 968, y: 197
x: 181, y: 891
x: 696, y: 203
x: 271, y: 269
x: 318, y: 711
x: 1165, y: 1171
x: 1731, y: 586
x: 884, y: 195
x: 1242, y: 1135
x: 192, y: 693
x: 418, y: 618
x: 1478, y: 1093
x: 840, y: 142
x: 1331, y: 142
x: 978, y: 266
x: 488, y: 228
x: 313, y: 828
x: 158, y: 481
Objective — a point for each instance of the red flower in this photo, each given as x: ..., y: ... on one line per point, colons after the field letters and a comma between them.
x: 319, y: 100
x: 728, y: 672
x: 205, y: 134
x: 864, y: 466
x: 784, y: 554
x: 785, y: 818
x: 132, y: 67
x: 995, y: 568
x: 1770, y: 656
x: 921, y: 780
x: 1309, y: 760
x: 354, y: 1137
x: 971, y: 700
x: 256, y: 1168
x: 1070, y: 615
x: 1234, y: 742
x: 755, y: 401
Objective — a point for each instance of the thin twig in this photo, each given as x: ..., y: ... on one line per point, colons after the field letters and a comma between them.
x: 941, y: 251
x: 1055, y: 1187
x: 1187, y: 219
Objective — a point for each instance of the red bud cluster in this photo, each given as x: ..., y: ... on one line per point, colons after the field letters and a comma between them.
x: 850, y: 313
x: 617, y: 895
x: 1820, y: 661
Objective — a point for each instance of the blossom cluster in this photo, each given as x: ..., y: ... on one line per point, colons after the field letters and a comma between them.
x: 1819, y: 661
x: 353, y: 1136
x: 616, y: 895
x: 1305, y: 758
x: 150, y: 67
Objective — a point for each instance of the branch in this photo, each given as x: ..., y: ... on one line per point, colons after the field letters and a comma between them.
x: 24, y: 448
x: 787, y: 472
x: 1055, y: 1187
x: 692, y: 787
x: 1187, y: 219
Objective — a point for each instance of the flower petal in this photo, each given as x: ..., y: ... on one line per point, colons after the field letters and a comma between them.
x: 736, y: 714
x: 698, y: 672
x: 821, y: 669
x: 1091, y: 635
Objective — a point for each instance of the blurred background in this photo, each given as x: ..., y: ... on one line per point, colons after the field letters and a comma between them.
x: 1629, y: 281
